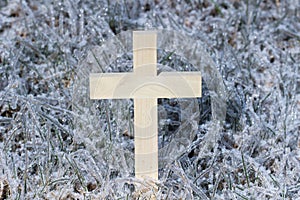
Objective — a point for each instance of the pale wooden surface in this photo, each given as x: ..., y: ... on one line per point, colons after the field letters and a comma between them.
x: 145, y: 109
x: 145, y: 87
x: 145, y: 138
x: 144, y: 53
x: 132, y: 85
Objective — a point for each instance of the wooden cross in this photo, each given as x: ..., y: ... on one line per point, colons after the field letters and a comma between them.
x: 145, y: 86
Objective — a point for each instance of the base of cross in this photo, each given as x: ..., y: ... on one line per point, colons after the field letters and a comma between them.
x: 146, y: 190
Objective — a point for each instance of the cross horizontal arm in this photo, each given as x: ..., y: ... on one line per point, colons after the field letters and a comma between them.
x: 131, y: 85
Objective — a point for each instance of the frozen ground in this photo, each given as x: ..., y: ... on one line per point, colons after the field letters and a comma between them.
x: 48, y: 152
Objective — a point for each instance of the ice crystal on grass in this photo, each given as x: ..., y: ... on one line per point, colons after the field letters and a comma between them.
x: 255, y: 45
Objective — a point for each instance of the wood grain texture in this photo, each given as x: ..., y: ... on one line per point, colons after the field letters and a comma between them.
x: 131, y: 85
x: 144, y: 53
x: 145, y: 138
x: 145, y: 109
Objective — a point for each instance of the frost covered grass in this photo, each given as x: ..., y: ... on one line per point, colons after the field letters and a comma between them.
x: 43, y: 153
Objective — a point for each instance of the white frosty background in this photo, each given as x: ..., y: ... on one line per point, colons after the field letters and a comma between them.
x: 256, y: 46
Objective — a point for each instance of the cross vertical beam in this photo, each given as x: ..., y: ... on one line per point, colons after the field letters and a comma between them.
x: 145, y: 109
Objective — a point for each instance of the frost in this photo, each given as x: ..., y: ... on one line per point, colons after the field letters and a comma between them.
x: 49, y: 148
